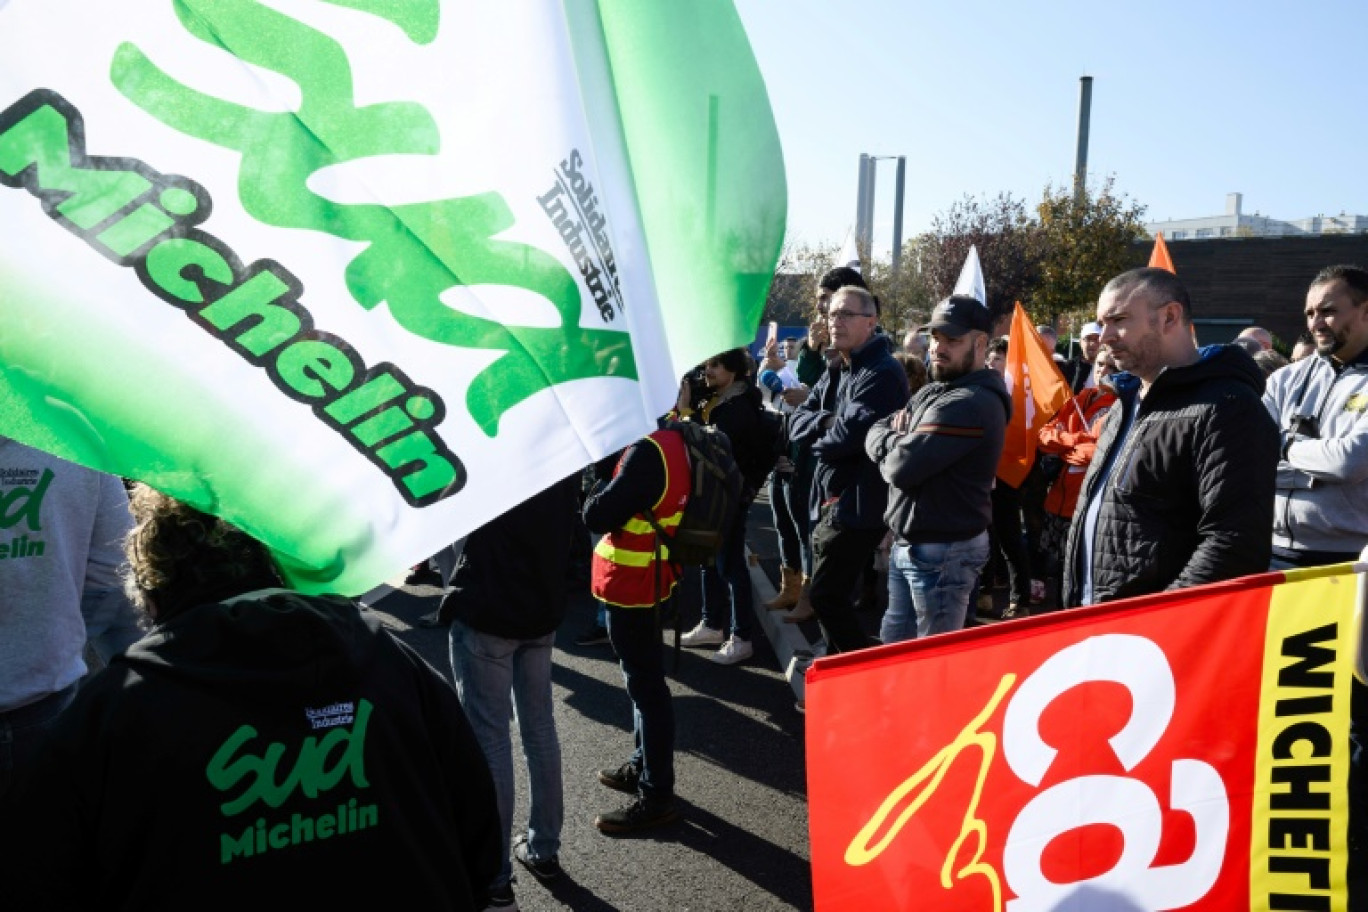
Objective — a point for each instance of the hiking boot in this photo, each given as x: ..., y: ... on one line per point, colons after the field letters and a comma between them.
x: 703, y: 635
x: 790, y: 586
x: 594, y: 636
x: 802, y: 609
x: 733, y: 651
x: 1015, y: 611
x: 502, y: 899
x: 639, y: 815
x: 544, y: 869
x: 625, y: 778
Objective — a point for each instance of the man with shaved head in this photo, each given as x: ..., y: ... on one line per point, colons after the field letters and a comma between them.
x: 1180, y: 491
x: 1259, y: 335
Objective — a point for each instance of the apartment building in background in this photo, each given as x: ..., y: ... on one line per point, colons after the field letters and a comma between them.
x: 1235, y: 223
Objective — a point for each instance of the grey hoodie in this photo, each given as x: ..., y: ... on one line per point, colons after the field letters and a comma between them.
x: 940, y: 473
x: 61, y: 537
x: 1322, y: 498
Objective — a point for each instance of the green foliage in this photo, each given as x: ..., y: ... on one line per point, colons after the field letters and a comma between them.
x: 1054, y: 260
x: 905, y: 300
x: 903, y: 297
x: 1085, y: 242
x: 791, y: 295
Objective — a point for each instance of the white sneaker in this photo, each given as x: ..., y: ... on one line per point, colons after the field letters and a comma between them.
x: 703, y: 635
x: 733, y: 651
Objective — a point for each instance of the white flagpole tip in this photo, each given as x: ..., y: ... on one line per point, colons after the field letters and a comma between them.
x: 850, y: 254
x: 971, y: 278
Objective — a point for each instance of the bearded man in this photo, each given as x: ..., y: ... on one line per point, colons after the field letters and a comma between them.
x: 939, y: 455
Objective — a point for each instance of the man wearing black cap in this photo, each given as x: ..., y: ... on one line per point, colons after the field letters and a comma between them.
x: 939, y: 456
x: 848, y: 497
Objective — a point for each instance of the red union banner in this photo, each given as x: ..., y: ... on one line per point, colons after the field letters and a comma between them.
x: 1181, y: 751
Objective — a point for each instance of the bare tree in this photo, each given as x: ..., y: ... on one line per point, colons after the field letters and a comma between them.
x: 1008, y: 243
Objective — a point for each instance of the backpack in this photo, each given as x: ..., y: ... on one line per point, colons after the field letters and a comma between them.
x: 774, y: 442
x: 715, y: 486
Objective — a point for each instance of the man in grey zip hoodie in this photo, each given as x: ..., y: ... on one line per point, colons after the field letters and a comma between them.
x: 1321, y: 508
x: 939, y: 456
x: 1321, y: 406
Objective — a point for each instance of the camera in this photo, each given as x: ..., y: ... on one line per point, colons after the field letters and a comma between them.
x: 1304, y: 426
x: 697, y: 382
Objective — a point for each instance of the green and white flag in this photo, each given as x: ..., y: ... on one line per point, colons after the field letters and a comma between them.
x: 360, y: 275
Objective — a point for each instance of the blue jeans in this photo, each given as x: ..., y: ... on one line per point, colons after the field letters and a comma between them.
x: 23, y: 731
x: 493, y: 676
x: 636, y: 640
x: 929, y: 584
x: 790, y: 522
x: 727, y: 593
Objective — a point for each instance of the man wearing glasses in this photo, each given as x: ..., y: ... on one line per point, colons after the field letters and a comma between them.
x: 861, y: 386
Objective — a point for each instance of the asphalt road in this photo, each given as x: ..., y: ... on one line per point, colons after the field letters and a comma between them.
x: 740, y: 775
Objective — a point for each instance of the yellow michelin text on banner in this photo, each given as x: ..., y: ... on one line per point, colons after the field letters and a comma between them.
x: 1300, y: 814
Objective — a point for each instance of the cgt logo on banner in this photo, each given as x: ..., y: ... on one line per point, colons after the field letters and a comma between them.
x: 1151, y: 754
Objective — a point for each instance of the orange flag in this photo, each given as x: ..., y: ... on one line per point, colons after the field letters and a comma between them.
x: 1038, y: 391
x: 1159, y: 257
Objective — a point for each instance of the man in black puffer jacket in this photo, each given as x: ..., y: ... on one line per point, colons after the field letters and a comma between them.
x: 1180, y: 491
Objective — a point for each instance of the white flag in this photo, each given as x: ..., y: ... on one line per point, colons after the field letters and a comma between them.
x: 971, y: 278
x: 850, y: 254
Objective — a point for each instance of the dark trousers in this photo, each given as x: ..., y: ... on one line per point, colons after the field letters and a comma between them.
x: 1010, y: 541
x: 23, y: 732
x: 790, y: 521
x: 635, y: 635
x: 1358, y: 797
x: 839, y: 555
x: 728, y: 602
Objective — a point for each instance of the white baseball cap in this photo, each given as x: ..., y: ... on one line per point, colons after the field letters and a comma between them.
x: 1091, y: 329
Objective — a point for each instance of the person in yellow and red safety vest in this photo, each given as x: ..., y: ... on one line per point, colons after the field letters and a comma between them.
x: 631, y: 573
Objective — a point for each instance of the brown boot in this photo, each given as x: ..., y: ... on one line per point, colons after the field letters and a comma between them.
x: 789, y: 587
x: 802, y: 611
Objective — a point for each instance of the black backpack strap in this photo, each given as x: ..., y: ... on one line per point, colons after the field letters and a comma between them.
x: 656, y: 606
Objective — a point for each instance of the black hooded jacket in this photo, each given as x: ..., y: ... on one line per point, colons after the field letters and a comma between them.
x: 273, y: 751
x: 1187, y: 497
x: 510, y: 579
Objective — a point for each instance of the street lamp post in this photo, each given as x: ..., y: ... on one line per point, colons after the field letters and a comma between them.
x: 864, y: 205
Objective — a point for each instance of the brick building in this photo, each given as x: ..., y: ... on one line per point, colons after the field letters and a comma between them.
x: 1254, y: 281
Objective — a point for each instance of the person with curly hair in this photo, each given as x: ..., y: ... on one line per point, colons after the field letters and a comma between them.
x: 257, y: 743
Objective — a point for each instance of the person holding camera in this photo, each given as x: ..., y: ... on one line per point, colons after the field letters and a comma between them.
x: 1180, y: 489
x: 733, y: 407
x: 1321, y: 405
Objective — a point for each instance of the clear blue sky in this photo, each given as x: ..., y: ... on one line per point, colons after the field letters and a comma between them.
x: 1191, y: 100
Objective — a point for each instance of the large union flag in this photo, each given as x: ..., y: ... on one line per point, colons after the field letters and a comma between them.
x: 1181, y: 751
x: 359, y: 275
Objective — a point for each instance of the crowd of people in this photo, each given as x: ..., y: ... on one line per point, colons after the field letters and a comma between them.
x: 1171, y: 465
